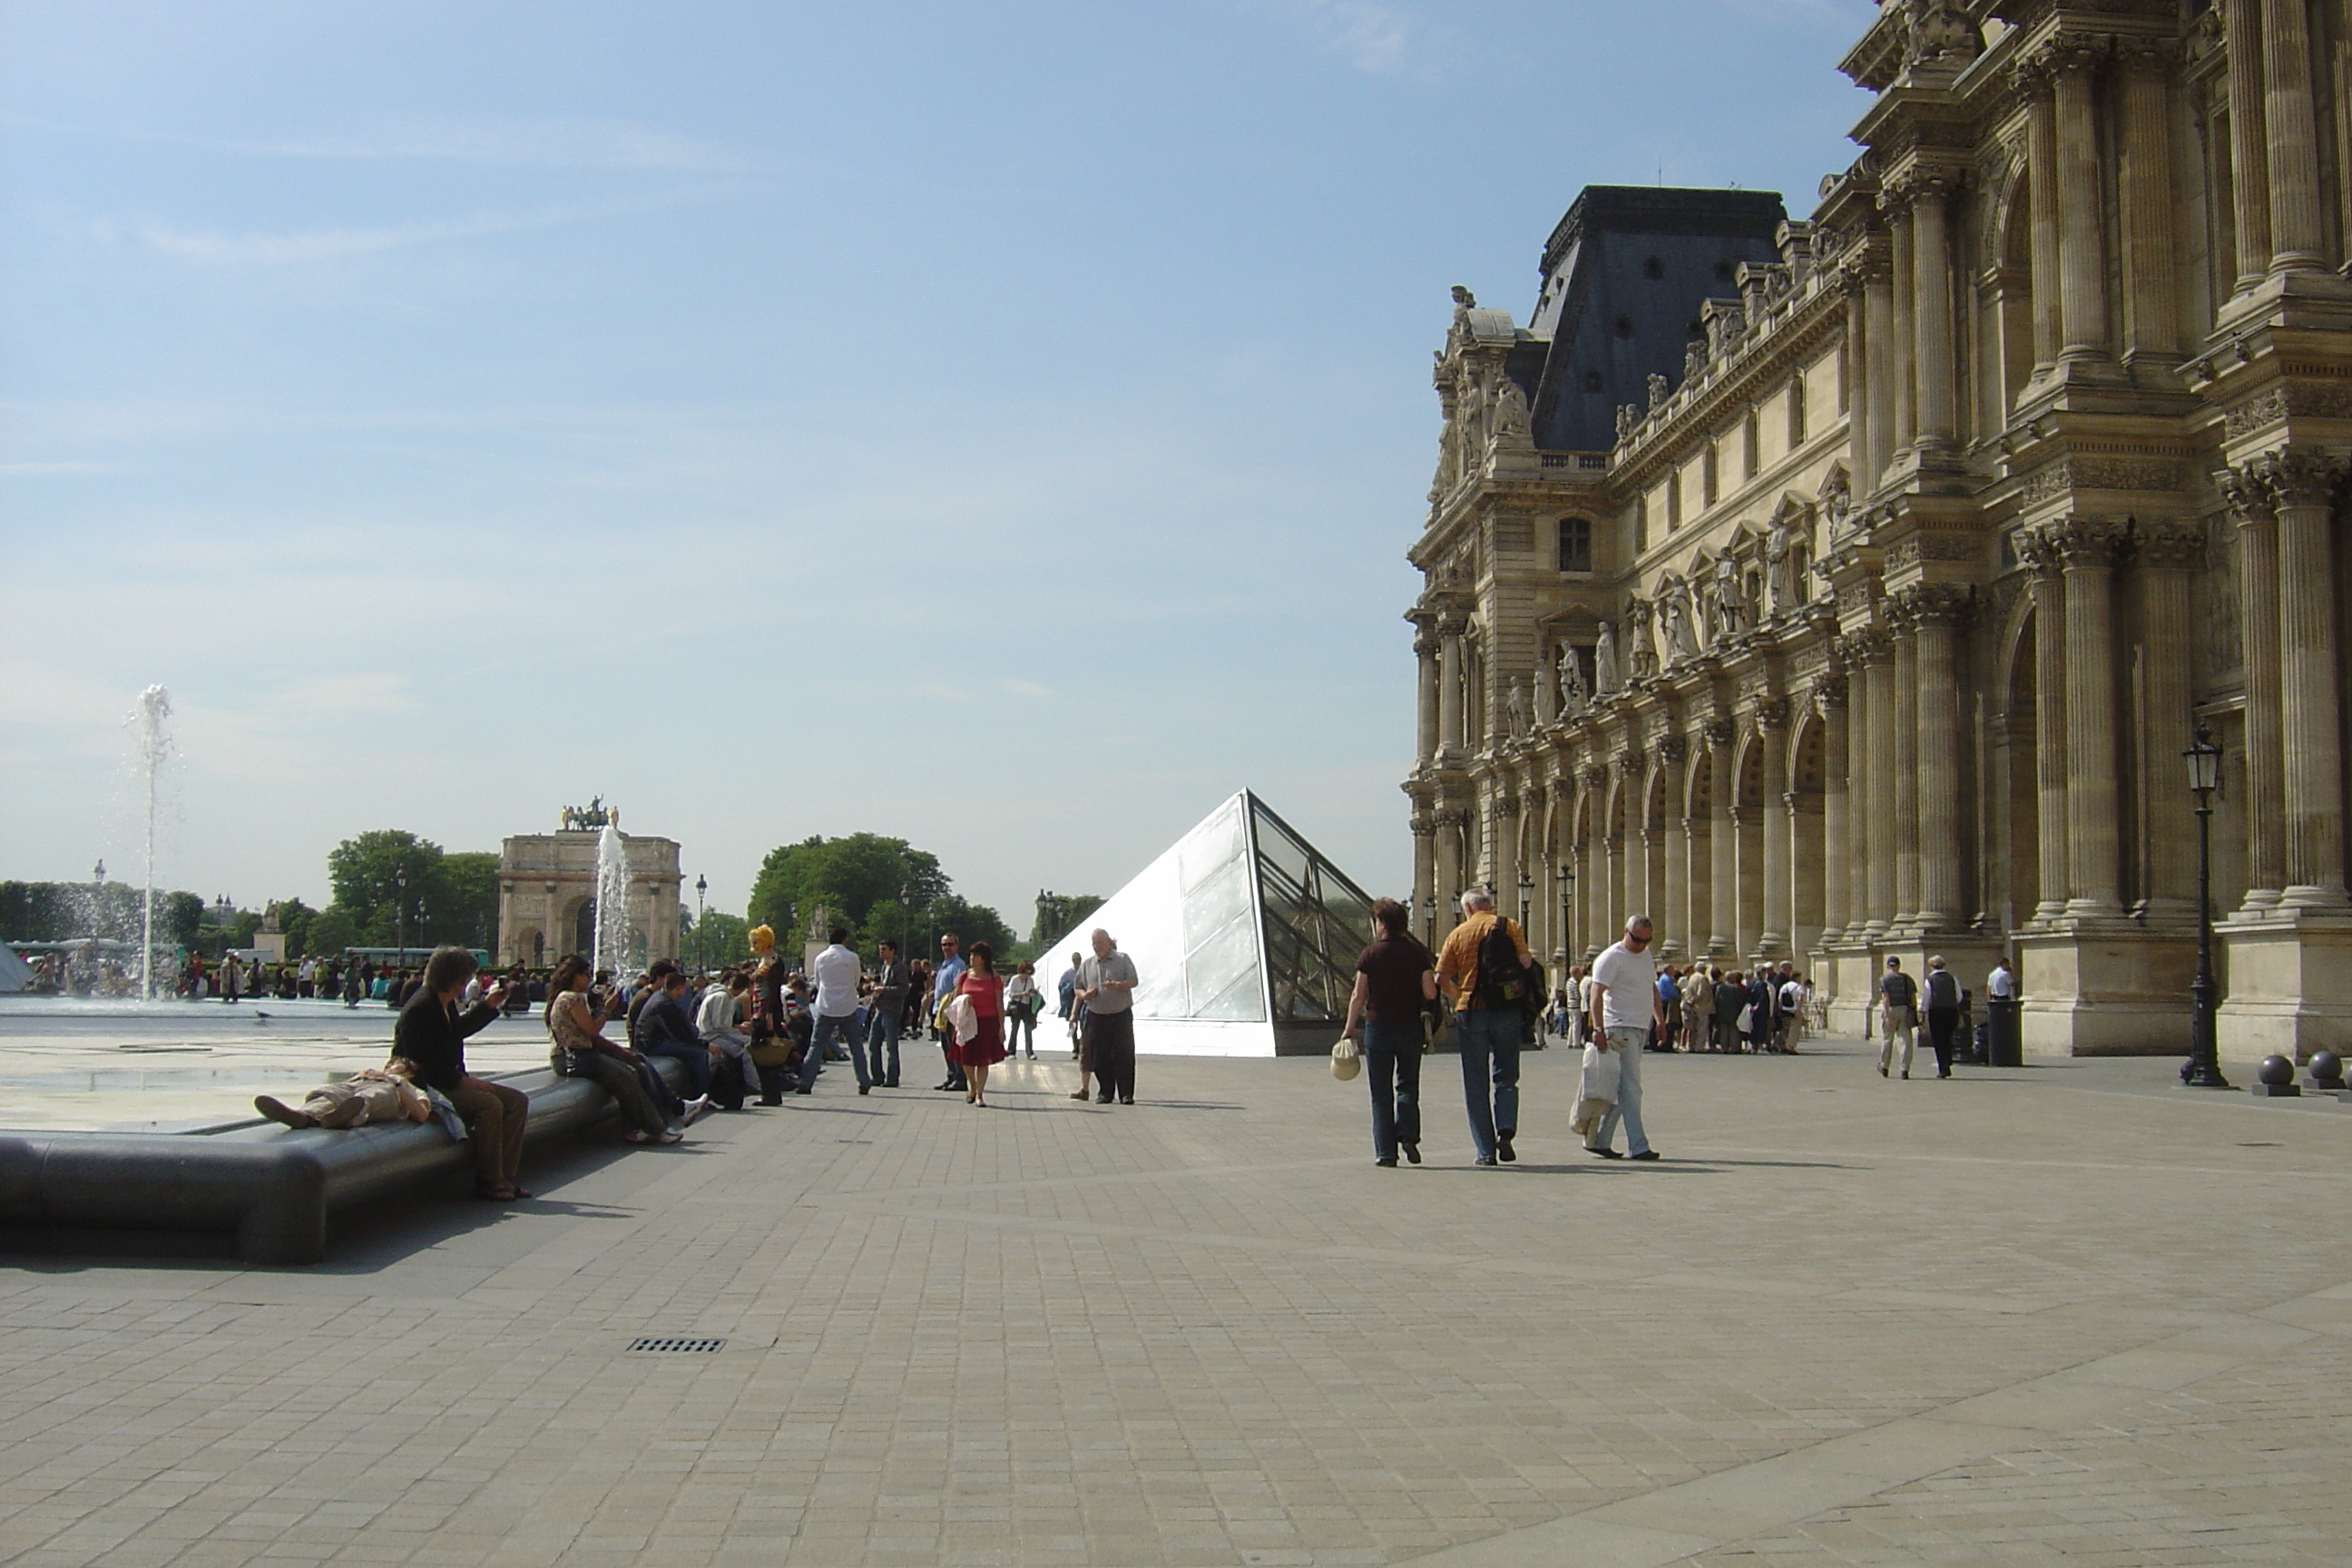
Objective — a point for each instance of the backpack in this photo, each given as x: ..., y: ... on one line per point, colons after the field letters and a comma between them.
x: 1501, y: 978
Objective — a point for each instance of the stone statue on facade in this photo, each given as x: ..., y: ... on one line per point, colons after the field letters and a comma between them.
x: 1573, y: 696
x: 1836, y: 500
x: 1781, y: 566
x: 1628, y: 416
x: 1515, y: 708
x: 1657, y: 391
x: 1464, y: 299
x: 1509, y: 425
x: 1681, y: 646
x: 1604, y: 661
x: 1643, y: 653
x: 1730, y: 599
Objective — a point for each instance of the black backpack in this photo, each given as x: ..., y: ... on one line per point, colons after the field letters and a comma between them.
x: 1501, y: 978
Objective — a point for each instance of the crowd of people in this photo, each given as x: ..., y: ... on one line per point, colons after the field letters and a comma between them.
x: 1706, y: 1008
x: 751, y: 1030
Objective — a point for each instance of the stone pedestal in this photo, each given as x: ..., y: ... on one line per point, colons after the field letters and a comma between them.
x: 2105, y: 990
x: 2286, y: 993
x: 1854, y: 974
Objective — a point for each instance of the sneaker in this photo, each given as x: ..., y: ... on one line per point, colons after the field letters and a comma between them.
x: 674, y: 1134
x: 1484, y: 1160
x: 1503, y: 1149
x: 694, y: 1111
x: 636, y: 1135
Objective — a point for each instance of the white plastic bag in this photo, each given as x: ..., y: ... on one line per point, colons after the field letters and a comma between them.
x: 1596, y: 1090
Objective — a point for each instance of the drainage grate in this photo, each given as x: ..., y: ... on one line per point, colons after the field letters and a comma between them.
x: 677, y: 1347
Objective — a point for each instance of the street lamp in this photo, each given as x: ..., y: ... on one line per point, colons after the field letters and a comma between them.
x: 2203, y: 1068
x: 1527, y: 900
x: 1429, y: 920
x: 1567, y: 879
x: 701, y: 886
x: 400, y: 911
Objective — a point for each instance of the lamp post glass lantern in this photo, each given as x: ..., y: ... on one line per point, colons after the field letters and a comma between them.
x: 2203, y: 1068
x: 1566, y: 879
x: 701, y: 886
x: 1527, y: 900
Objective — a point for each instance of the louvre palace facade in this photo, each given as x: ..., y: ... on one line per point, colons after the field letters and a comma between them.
x: 1847, y: 587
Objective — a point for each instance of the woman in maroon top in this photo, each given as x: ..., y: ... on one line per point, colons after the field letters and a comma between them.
x: 986, y: 1048
x: 1395, y: 979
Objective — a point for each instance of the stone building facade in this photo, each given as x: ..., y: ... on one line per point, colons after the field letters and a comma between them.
x: 1879, y: 621
x: 547, y: 895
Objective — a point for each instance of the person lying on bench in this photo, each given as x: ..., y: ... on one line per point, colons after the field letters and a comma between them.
x: 388, y: 1093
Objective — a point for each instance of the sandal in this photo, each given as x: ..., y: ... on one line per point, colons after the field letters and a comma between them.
x: 499, y: 1193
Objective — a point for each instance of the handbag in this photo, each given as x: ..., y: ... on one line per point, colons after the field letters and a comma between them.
x: 1746, y: 1021
x: 1344, y: 1063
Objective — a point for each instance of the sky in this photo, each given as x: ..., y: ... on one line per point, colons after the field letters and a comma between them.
x: 998, y: 426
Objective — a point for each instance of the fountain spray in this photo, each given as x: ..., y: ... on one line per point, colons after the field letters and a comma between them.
x: 155, y: 747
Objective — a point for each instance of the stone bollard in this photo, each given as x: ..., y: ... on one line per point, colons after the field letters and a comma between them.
x: 2276, y: 1080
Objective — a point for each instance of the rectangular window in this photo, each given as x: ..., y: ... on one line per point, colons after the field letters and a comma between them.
x: 1575, y: 544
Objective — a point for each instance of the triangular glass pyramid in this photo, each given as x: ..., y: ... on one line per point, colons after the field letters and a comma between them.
x: 1244, y: 939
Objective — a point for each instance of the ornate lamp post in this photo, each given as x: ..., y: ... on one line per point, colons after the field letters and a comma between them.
x: 2203, y: 1069
x: 701, y: 886
x: 1567, y: 879
x: 1527, y: 900
x: 400, y: 911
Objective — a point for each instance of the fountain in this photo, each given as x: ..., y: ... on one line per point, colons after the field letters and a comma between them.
x: 612, y: 902
x: 155, y: 749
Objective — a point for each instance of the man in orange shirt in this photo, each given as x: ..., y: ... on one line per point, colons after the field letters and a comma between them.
x: 1489, y: 1003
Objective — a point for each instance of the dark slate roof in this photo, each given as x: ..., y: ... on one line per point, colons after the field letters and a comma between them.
x: 1624, y: 277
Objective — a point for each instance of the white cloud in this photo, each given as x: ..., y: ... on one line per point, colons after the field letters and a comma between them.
x: 1372, y: 37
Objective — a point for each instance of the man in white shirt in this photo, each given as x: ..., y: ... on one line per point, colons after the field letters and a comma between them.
x: 835, y: 1012
x: 1623, y: 988
x: 714, y: 1022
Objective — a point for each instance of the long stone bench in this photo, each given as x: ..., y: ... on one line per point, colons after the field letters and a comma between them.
x: 272, y: 1188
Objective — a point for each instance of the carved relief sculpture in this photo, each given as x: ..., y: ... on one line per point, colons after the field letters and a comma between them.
x: 1781, y: 566
x: 1515, y: 708
x: 1604, y: 662
x: 1681, y: 646
x: 1510, y: 413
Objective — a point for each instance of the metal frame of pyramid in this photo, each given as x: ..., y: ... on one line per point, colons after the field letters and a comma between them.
x: 1243, y: 935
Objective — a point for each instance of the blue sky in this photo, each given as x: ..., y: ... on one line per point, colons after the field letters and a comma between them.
x: 995, y: 426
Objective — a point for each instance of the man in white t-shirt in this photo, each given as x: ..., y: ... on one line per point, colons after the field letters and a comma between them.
x: 1623, y: 988
x: 835, y: 1011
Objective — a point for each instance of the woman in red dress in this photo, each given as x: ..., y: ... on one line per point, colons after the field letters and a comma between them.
x: 986, y: 1048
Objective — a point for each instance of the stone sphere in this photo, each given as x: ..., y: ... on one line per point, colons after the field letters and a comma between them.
x: 2277, y: 1072
x: 2327, y: 1066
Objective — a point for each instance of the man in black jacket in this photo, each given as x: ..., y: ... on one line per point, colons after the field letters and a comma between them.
x: 432, y: 1034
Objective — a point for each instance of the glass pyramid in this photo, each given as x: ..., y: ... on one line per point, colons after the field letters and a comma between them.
x: 1244, y: 939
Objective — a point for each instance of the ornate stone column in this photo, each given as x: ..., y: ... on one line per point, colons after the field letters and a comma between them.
x: 2164, y: 557
x: 2250, y: 168
x: 1679, y: 942
x: 2310, y: 721
x: 1884, y: 805
x: 1879, y: 382
x: 1861, y: 790
x: 1506, y: 853
x: 1779, y: 878
x: 1633, y: 884
x: 1904, y: 763
x: 2147, y: 198
x: 1926, y: 192
x: 2033, y: 81
x: 1425, y: 868
x: 1852, y: 283
x: 1424, y: 648
x: 1723, y: 844
x: 2087, y: 547
x: 1451, y: 821
x: 2082, y: 265
x: 2051, y: 876
x: 1936, y: 613
x: 1829, y: 701
x: 1451, y: 683
x: 1902, y: 361
x: 2249, y: 500
x: 2297, y: 239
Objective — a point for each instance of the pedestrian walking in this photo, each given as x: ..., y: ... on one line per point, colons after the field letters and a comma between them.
x: 886, y: 1004
x: 985, y: 990
x: 1698, y: 1009
x: 944, y: 980
x: 1107, y: 985
x: 1898, y: 1017
x: 1943, y: 1013
x: 836, y: 972
x: 1626, y: 1009
x: 1395, y: 981
x: 1483, y: 970
x: 1021, y: 1011
x: 1730, y: 1004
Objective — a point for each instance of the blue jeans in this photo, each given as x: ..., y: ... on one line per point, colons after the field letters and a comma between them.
x: 830, y: 1026
x: 696, y: 1057
x: 1490, y: 1052
x: 1392, y: 1067
x: 881, y: 1029
x: 1626, y: 1046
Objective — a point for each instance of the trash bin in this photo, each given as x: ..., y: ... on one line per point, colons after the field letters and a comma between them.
x: 2005, y: 1041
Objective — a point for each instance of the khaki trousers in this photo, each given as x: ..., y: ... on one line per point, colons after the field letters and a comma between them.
x: 494, y: 1114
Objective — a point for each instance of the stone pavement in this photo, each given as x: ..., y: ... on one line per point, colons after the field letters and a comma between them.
x: 2062, y: 1313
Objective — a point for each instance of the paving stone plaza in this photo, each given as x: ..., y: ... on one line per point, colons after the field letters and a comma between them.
x: 2065, y: 1313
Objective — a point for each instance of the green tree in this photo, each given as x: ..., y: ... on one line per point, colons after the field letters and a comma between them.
x: 331, y: 930
x: 972, y: 923
x: 178, y: 917
x: 848, y: 877
x: 294, y: 917
x: 366, y: 874
x: 467, y: 911
x: 1059, y: 914
x: 724, y: 938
